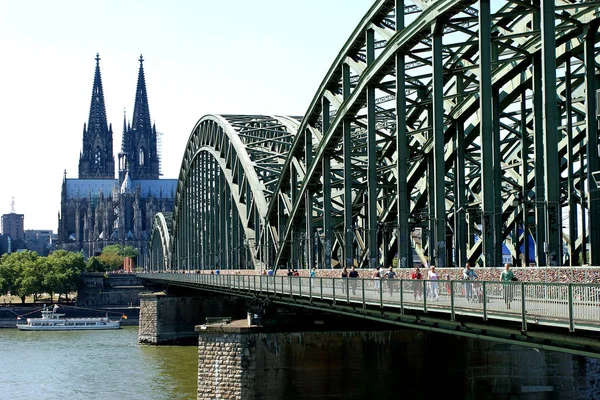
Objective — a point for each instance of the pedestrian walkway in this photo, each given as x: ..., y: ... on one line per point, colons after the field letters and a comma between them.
x: 573, y: 306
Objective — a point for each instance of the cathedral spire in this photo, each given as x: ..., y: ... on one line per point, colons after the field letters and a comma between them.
x: 97, y: 122
x: 141, y: 110
x: 97, y: 160
x: 124, y: 139
x: 139, y: 148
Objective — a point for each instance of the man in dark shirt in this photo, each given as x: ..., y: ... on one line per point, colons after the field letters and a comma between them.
x: 469, y: 275
x: 389, y: 275
x: 353, y: 274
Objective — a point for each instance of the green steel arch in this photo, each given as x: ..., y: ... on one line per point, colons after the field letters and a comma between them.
x: 416, y: 136
x: 448, y: 129
x: 160, y: 238
x: 230, y: 166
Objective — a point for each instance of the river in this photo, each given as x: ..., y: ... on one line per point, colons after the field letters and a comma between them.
x: 93, y: 365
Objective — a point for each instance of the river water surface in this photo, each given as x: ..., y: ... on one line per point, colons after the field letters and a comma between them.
x: 93, y: 365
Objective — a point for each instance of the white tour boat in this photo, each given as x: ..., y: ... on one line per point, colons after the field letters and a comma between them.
x: 52, y: 321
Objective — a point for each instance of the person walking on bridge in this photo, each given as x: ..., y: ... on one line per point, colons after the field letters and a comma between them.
x: 344, y: 279
x: 353, y: 282
x: 507, y: 276
x: 417, y: 286
x: 469, y: 275
x: 377, y: 279
x: 390, y: 275
x: 433, y: 285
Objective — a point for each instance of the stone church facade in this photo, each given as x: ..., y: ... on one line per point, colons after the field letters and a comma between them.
x: 98, y: 209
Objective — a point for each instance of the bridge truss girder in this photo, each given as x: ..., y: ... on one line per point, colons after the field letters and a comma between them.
x: 230, y: 165
x: 160, y: 241
x: 426, y: 133
x: 364, y: 126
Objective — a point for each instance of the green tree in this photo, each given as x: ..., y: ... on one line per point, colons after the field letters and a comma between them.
x: 112, y: 249
x: 18, y: 272
x: 112, y: 256
x: 64, y: 269
x: 130, y: 251
x: 32, y: 277
x: 95, y: 264
x: 8, y: 275
x: 111, y: 261
x: 123, y: 251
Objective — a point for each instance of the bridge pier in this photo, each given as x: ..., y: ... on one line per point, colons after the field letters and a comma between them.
x: 238, y: 361
x: 170, y: 319
x: 247, y: 362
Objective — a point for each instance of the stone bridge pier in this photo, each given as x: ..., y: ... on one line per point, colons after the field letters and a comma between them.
x: 171, y: 318
x: 296, y: 353
x: 332, y: 359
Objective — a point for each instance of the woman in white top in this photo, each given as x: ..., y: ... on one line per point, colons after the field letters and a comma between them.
x: 433, y: 286
x: 377, y: 279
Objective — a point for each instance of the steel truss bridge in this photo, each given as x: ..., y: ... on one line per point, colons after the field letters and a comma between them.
x: 551, y: 316
x: 444, y: 130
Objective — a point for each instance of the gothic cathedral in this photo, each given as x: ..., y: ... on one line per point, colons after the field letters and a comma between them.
x: 96, y: 209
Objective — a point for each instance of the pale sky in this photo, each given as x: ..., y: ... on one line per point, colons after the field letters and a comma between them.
x: 201, y: 57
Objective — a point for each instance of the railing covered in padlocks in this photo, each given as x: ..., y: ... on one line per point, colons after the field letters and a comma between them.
x: 572, y: 305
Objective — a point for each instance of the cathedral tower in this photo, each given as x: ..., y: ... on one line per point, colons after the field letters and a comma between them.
x: 96, y: 160
x: 98, y: 210
x: 139, y: 154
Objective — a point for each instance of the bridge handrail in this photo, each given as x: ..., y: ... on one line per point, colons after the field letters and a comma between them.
x: 570, y: 305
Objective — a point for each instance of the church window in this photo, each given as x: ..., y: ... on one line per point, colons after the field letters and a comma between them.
x: 97, y: 156
x: 141, y: 159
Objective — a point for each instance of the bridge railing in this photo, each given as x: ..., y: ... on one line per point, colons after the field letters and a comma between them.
x: 554, y: 304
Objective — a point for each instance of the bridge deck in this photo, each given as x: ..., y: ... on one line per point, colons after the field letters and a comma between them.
x: 572, y: 306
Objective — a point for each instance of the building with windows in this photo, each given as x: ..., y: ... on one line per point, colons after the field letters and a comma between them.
x: 42, y: 241
x: 98, y: 209
x: 12, y: 225
x: 5, y: 244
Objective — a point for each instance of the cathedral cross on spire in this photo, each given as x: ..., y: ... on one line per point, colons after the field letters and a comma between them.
x: 141, y: 59
x: 97, y: 58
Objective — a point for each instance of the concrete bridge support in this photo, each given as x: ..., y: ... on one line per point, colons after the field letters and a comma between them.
x: 170, y: 319
x: 241, y: 362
